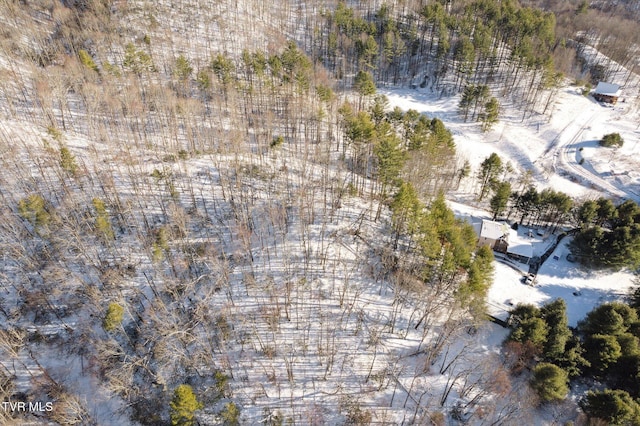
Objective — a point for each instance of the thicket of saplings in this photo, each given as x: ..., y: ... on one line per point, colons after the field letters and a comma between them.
x: 141, y: 254
x: 145, y: 253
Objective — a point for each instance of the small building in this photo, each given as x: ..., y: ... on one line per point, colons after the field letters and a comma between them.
x: 494, y: 235
x: 502, y: 239
x: 607, y: 93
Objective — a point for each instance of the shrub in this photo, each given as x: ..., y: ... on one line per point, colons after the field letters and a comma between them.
x: 352, y: 190
x: 612, y: 139
x: 183, y: 406
x: 357, y: 416
x: 519, y: 356
x: 87, y: 60
x: 276, y: 142
x: 222, y: 383
x: 103, y: 226
x: 203, y: 80
x: 437, y: 418
x: 583, y: 7
x: 231, y: 414
x: 111, y: 69
x: 54, y: 133
x: 68, y: 161
x: 137, y: 61
x: 550, y: 382
x: 33, y: 208
x: 161, y: 244
x: 113, y: 317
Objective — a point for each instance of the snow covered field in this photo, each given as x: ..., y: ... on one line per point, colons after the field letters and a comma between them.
x: 549, y: 146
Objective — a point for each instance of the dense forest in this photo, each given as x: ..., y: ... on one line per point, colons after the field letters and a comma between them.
x: 177, y: 217
x: 446, y: 46
x: 608, y: 25
x: 604, y: 350
x: 515, y: 51
x: 608, y: 235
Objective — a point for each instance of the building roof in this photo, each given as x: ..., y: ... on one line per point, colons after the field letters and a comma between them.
x: 493, y: 230
x: 519, y: 245
x: 607, y: 89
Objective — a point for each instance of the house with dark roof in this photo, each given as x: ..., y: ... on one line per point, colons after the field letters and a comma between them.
x: 607, y: 93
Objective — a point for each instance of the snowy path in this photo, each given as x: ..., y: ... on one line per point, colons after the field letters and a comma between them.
x: 570, y: 163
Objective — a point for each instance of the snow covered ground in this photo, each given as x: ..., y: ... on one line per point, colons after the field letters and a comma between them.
x: 318, y: 328
x: 582, y: 290
x: 549, y: 146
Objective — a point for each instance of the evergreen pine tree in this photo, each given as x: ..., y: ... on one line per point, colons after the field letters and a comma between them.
x: 500, y: 199
x: 602, y: 351
x: 555, y: 315
x: 489, y: 116
x: 490, y: 169
x: 615, y: 407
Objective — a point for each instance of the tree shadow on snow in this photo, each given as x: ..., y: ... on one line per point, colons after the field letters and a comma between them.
x: 581, y: 300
